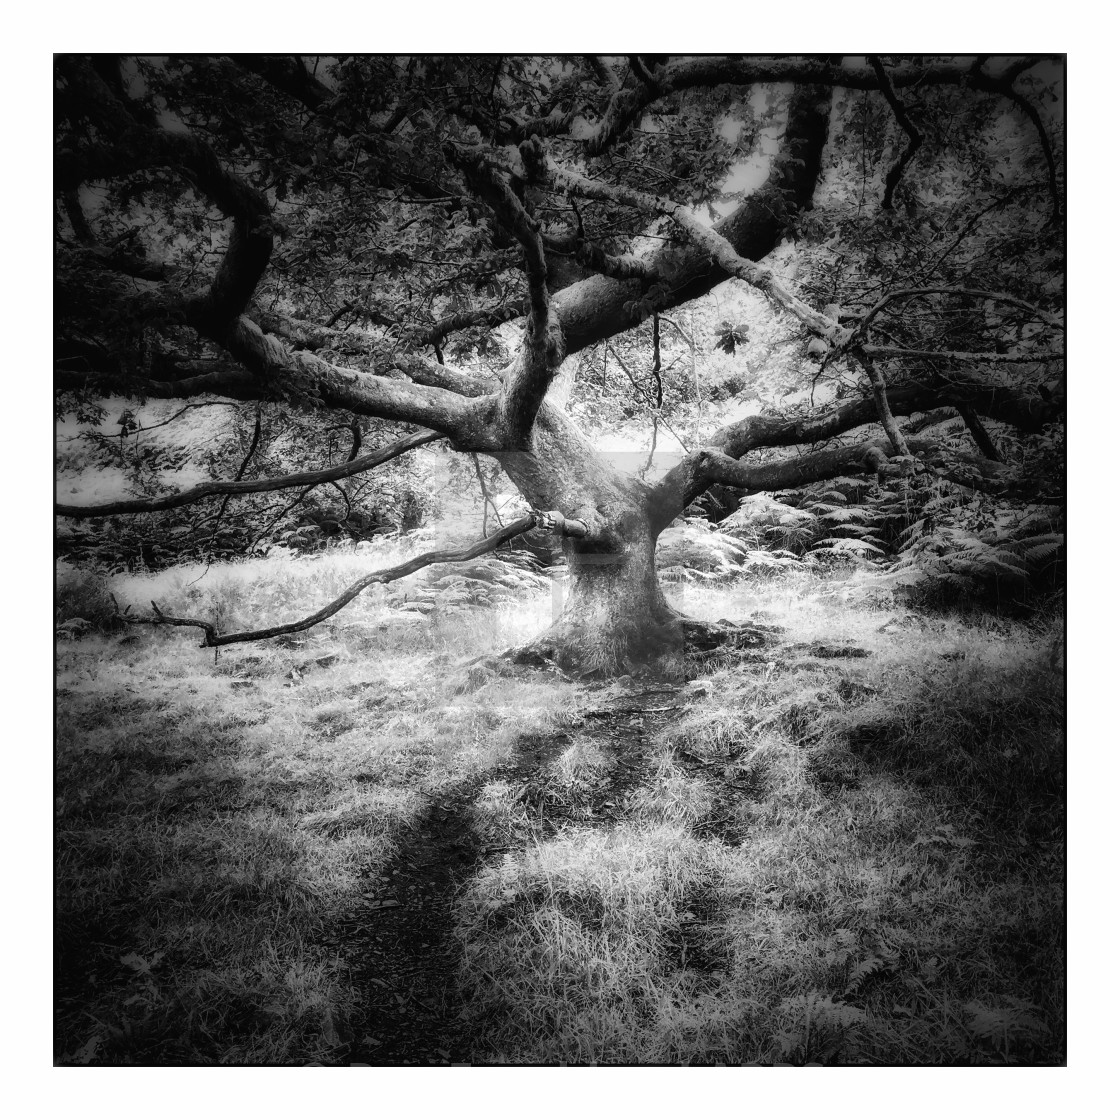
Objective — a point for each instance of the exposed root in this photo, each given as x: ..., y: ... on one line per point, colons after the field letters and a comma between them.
x: 633, y: 653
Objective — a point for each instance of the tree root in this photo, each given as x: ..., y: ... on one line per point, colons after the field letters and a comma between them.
x: 691, y: 638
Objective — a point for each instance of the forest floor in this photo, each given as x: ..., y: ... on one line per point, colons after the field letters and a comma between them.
x: 364, y: 845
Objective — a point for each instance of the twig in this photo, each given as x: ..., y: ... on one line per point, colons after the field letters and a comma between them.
x: 487, y: 501
x: 225, y: 500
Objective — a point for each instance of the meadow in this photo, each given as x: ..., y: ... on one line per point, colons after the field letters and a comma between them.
x: 376, y: 843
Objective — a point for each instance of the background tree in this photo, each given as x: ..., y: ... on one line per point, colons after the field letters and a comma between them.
x: 347, y: 234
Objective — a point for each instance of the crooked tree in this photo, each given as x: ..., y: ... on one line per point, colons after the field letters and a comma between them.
x: 331, y: 233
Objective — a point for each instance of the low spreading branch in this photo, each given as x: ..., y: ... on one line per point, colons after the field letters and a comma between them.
x: 871, y: 457
x: 211, y: 637
x: 251, y: 486
x: 686, y: 481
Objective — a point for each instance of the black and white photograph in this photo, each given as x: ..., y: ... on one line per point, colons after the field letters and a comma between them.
x: 559, y: 560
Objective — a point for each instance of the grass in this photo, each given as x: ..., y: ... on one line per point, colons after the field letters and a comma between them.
x: 214, y: 816
x: 823, y: 860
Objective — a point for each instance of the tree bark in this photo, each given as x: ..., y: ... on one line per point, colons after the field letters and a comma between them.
x: 615, y: 615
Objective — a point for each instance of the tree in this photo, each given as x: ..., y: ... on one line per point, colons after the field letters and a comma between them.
x: 345, y: 234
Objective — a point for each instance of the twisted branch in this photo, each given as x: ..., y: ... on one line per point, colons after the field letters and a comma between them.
x: 211, y: 637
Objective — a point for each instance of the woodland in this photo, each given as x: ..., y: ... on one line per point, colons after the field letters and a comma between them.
x: 559, y: 559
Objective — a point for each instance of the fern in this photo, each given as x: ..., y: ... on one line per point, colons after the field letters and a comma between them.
x: 819, y: 1031
x: 694, y: 550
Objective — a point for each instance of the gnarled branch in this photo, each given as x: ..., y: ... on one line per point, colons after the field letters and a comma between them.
x: 710, y: 241
x: 211, y: 637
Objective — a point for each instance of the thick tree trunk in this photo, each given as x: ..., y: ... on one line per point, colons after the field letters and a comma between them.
x: 614, y: 615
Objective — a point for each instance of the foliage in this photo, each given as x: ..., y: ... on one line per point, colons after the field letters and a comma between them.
x: 489, y: 582
x: 693, y: 549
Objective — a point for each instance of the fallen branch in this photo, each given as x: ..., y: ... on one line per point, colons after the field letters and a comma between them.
x: 211, y: 637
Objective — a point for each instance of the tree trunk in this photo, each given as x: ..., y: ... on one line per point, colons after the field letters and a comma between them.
x: 615, y: 616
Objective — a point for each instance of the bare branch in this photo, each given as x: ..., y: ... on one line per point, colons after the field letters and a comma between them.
x: 627, y: 104
x: 914, y: 135
x: 905, y: 294
x: 252, y: 486
x: 253, y: 443
x: 979, y: 433
x: 1032, y: 115
x: 527, y: 380
x: 211, y: 637
x: 882, y: 406
x: 863, y: 458
x: 482, y: 317
x: 684, y: 483
x: 962, y: 355
x: 626, y: 267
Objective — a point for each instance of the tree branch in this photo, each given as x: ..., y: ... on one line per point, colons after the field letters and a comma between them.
x: 1032, y: 115
x: 211, y: 637
x: 599, y: 307
x: 683, y: 484
x: 882, y: 405
x: 527, y: 380
x: 979, y: 433
x: 862, y: 458
x: 253, y: 486
x: 253, y: 443
x: 962, y: 355
x: 905, y: 294
x: 894, y: 175
x: 627, y: 104
x: 482, y: 317
x: 717, y: 247
x: 135, y: 147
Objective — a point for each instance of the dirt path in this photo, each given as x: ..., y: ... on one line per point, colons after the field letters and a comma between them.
x: 400, y: 943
